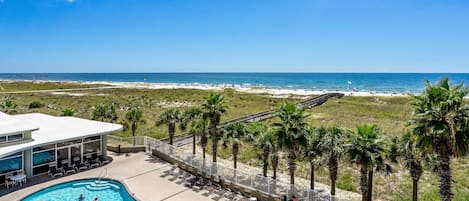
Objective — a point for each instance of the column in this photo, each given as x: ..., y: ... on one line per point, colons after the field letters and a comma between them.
x: 27, y: 163
x: 103, y: 144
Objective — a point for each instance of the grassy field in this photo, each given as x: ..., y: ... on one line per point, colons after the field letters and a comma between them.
x: 389, y: 113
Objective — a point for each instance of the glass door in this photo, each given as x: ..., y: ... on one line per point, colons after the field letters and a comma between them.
x: 62, y: 154
x: 75, y: 151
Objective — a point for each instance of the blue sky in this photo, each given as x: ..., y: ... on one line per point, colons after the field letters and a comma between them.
x: 234, y: 36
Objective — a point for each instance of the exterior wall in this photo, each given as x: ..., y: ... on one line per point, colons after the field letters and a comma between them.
x: 103, y: 145
x: 27, y: 135
x: 38, y: 153
x: 27, y: 163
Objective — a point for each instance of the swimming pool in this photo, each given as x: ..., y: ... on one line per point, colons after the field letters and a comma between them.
x: 104, y: 190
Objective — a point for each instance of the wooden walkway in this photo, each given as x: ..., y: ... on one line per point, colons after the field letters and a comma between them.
x: 261, y: 116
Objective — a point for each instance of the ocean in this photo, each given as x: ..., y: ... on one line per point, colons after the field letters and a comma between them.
x: 366, y: 82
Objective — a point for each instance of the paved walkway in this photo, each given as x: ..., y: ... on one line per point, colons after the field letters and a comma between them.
x: 147, y: 177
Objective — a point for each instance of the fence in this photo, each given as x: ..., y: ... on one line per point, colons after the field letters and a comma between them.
x: 230, y: 176
x: 126, y: 141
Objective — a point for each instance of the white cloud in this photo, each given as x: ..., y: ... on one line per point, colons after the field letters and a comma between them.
x: 69, y: 1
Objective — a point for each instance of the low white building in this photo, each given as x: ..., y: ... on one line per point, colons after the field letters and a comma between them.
x: 30, y: 142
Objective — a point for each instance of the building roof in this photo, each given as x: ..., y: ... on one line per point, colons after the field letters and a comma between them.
x: 48, y: 129
x: 11, y: 125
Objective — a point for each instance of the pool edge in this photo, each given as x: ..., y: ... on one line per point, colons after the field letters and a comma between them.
x: 90, y: 178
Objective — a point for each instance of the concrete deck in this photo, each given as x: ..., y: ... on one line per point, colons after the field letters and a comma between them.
x: 145, y: 176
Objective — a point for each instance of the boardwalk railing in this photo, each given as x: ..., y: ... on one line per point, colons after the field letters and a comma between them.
x: 241, y: 179
x: 310, y: 102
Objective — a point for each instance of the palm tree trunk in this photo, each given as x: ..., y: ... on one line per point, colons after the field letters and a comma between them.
x: 312, y: 175
x: 171, y: 130
x: 134, y: 130
x: 235, y: 158
x: 274, y: 164
x: 445, y: 175
x: 203, y: 143
x: 214, y: 136
x: 235, y: 149
x: 203, y: 153
x: 265, y: 158
x: 414, y: 189
x: 292, y: 166
x: 193, y: 143
x: 333, y: 166
x: 370, y: 184
x: 214, y: 149
x: 364, y: 183
x: 274, y: 176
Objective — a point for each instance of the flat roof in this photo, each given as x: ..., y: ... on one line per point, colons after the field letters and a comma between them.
x: 11, y: 125
x: 52, y: 129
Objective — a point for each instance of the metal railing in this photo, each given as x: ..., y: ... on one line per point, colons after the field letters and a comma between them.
x: 230, y: 176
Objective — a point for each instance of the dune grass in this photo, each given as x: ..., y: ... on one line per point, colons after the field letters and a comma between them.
x: 389, y: 113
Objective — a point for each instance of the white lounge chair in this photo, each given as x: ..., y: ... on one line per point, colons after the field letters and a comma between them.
x: 67, y: 168
x: 54, y: 171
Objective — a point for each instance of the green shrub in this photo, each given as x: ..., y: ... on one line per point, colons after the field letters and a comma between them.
x: 68, y: 112
x: 35, y: 104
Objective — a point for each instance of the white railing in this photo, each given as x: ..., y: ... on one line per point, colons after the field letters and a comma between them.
x: 242, y: 178
x: 126, y: 141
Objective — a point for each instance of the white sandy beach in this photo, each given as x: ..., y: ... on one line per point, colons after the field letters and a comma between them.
x: 280, y: 93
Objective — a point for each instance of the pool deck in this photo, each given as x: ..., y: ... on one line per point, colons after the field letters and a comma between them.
x: 144, y: 175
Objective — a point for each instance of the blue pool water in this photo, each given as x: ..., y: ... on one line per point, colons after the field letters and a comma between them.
x: 104, y: 190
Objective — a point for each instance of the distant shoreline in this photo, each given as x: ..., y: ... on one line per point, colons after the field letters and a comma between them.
x: 280, y: 93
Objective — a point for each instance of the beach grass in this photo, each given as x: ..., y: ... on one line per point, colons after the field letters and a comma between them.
x: 389, y: 113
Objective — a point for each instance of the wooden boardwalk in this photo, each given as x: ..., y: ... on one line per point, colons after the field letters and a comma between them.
x: 261, y: 116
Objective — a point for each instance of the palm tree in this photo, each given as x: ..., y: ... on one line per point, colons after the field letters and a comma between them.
x: 213, y: 108
x: 441, y: 125
x: 366, y: 149
x: 332, y: 144
x: 170, y: 117
x: 199, y: 127
x: 313, y: 150
x: 291, y: 133
x: 189, y: 117
x: 254, y: 129
x: 274, y: 161
x: 105, y: 112
x: 134, y: 117
x: 233, y: 134
x: 406, y: 149
x: 265, y: 142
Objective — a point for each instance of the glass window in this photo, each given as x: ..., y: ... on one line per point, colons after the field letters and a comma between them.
x: 43, y: 157
x: 92, y: 138
x: 46, y: 147
x: 69, y: 143
x: 15, y: 137
x: 11, y: 164
x: 20, y: 153
x: 91, y: 147
x: 3, y: 139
